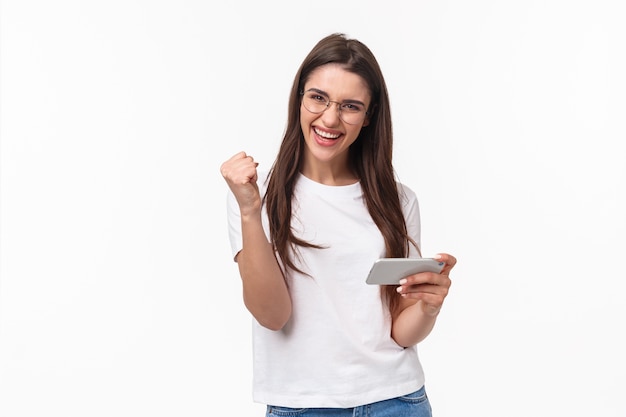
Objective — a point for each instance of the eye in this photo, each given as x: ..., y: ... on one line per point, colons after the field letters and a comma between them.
x: 319, y: 98
x: 352, y: 107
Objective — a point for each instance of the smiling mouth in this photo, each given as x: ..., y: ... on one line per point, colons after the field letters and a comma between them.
x: 326, y: 135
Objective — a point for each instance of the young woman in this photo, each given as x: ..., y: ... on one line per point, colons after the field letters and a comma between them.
x: 305, y: 234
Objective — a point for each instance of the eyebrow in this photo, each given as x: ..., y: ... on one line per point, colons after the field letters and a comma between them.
x: 324, y: 93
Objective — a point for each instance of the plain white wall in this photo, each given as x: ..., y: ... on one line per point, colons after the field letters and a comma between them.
x: 118, y: 295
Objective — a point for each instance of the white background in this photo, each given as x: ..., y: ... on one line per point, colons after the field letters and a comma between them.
x: 118, y: 294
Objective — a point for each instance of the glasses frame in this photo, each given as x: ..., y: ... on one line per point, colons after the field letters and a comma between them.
x: 328, y: 101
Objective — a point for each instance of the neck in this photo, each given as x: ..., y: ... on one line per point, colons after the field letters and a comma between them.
x: 329, y: 175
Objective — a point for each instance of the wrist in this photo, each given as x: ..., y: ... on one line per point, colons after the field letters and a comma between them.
x: 250, y: 214
x: 429, y: 309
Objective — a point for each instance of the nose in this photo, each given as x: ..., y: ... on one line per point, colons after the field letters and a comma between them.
x: 332, y: 115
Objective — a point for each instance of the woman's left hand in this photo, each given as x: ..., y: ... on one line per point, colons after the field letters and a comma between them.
x: 429, y: 287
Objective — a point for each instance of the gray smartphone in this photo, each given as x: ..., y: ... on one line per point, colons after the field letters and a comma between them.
x: 389, y: 271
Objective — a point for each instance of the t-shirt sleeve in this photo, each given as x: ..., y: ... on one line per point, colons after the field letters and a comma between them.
x: 411, y: 210
x: 234, y: 224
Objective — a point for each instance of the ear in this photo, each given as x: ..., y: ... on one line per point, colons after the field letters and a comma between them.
x: 366, y: 122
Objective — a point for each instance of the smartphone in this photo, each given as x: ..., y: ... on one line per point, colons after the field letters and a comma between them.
x: 389, y: 271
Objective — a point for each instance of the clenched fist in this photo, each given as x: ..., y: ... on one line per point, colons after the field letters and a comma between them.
x: 241, y: 176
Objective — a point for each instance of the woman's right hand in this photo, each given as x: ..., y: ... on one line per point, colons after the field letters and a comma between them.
x: 265, y: 292
x: 241, y: 176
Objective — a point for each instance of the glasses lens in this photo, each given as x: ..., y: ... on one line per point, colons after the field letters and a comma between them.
x: 352, y: 113
x: 314, y: 102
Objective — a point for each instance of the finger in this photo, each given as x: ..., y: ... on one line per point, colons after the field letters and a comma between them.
x: 238, y: 155
x: 240, y: 169
x: 427, y: 297
x: 422, y: 288
x: 245, y: 162
x: 449, y: 260
x: 421, y: 278
x: 225, y: 167
x: 237, y: 158
x: 442, y: 288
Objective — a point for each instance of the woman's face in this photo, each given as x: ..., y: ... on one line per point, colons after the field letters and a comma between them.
x: 326, y: 135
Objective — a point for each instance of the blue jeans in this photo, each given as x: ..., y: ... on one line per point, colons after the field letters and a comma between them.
x: 415, y: 404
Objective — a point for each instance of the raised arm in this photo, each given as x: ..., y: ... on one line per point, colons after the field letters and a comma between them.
x: 265, y: 292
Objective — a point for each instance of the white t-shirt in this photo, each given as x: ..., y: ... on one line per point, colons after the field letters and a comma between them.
x: 336, y: 349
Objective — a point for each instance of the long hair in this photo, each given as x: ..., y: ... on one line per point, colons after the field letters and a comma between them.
x: 370, y: 156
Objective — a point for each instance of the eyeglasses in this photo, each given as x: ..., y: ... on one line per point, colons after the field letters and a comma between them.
x: 351, y: 112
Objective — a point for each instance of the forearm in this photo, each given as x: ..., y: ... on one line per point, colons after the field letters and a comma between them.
x: 265, y: 292
x: 412, y: 325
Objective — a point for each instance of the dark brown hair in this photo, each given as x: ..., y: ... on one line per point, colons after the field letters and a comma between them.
x: 370, y: 156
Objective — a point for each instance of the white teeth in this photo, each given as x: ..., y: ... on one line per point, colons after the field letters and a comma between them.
x: 326, y: 134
